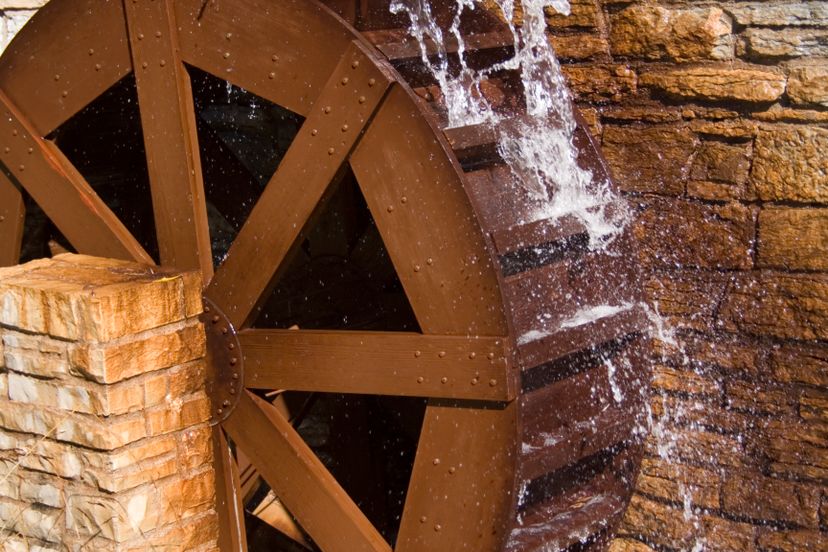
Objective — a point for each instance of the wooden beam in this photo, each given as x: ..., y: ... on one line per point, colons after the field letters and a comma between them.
x: 300, y: 480
x: 379, y: 363
x: 317, y: 154
x: 60, y: 190
x: 12, y: 217
x: 168, y: 120
x: 232, y: 534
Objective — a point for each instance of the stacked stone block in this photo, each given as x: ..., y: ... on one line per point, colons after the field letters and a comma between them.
x: 714, y: 118
x: 104, y: 440
x: 13, y: 15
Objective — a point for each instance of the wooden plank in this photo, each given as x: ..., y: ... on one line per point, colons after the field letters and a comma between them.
x: 300, y: 480
x: 72, y: 51
x: 379, y: 363
x: 60, y: 190
x: 412, y: 189
x: 317, y: 154
x: 12, y: 217
x: 273, y: 49
x: 232, y: 534
x: 165, y: 100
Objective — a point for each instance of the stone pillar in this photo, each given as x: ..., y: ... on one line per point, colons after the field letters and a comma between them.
x: 104, y: 435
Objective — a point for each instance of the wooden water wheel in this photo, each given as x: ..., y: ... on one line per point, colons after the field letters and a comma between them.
x: 372, y: 294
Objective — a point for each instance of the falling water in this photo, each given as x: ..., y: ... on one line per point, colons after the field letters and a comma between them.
x: 539, y: 149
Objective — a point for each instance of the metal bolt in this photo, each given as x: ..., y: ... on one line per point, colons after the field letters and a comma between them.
x: 235, y: 375
x: 452, y: 470
x: 22, y: 167
x: 344, y: 128
x: 274, y: 57
x: 234, y: 361
x: 420, y: 379
x: 219, y: 411
x: 423, y: 519
x: 344, y: 80
x: 231, y: 346
x: 91, y: 52
x: 327, y: 109
x: 444, y: 379
x: 7, y: 149
x: 14, y: 132
x: 472, y: 355
x: 417, y: 354
x: 225, y: 403
x: 355, y: 64
x: 475, y: 381
x: 228, y: 36
x: 226, y: 55
x: 97, y: 67
x: 232, y: 390
x: 144, y: 65
x: 362, y: 99
x: 30, y: 151
x: 490, y: 356
x: 271, y: 75
x: 2, y: 218
x: 390, y: 208
x: 215, y: 318
x: 64, y: 93
x: 331, y: 151
x: 140, y: 36
x: 492, y: 382
x: 314, y: 132
x: 224, y: 330
x: 163, y: 62
x: 436, y: 461
x: 429, y: 261
x: 441, y: 354
x: 372, y: 82
x: 437, y: 527
x: 157, y: 34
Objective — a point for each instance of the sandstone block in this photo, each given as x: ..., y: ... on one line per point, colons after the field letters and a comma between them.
x: 192, y: 533
x: 583, y: 14
x: 675, y: 483
x: 684, y: 381
x: 795, y: 239
x: 628, y: 545
x: 813, y: 406
x: 178, y: 413
x: 721, y: 162
x: 792, y: 540
x: 42, y: 455
x: 146, y: 450
x: 766, y: 498
x: 579, y: 46
x: 21, y: 4
x: 780, y: 114
x: 650, y: 159
x: 686, y: 300
x: 764, y: 14
x: 113, y: 362
x: 757, y: 398
x: 802, y: 363
x: 46, y: 491
x: 808, y: 84
x: 195, y: 448
x: 719, y: 83
x: 76, y: 397
x: 676, y: 413
x: 786, y: 306
x: 654, y: 32
x: 761, y: 44
x: 143, y: 471
x: 795, y: 449
x: 790, y: 164
x: 599, y: 83
x: 684, y: 234
x: 44, y: 365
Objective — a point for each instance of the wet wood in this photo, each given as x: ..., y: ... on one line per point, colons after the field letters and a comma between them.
x: 12, y: 217
x: 71, y: 53
x: 399, y: 45
x: 300, y: 480
x: 165, y: 99
x: 380, y: 363
x: 232, y: 535
x: 273, y: 49
x: 474, y: 144
x: 62, y: 193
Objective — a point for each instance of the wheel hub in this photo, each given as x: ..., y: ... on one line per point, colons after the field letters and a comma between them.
x: 225, y: 364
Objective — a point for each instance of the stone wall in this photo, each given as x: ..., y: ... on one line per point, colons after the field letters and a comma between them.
x: 13, y: 15
x: 714, y: 118
x: 104, y: 440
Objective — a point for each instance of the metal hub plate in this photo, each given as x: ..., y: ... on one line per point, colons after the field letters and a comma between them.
x: 225, y: 364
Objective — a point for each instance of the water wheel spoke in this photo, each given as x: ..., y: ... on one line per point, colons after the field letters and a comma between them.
x: 12, y: 216
x: 168, y: 119
x: 312, y: 162
x: 299, y: 479
x: 381, y: 363
x: 60, y: 190
x: 232, y: 536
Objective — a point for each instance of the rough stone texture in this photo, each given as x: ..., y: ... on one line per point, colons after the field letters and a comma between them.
x: 769, y: 14
x: 790, y: 164
x: 808, y: 83
x: 114, y: 450
x: 761, y: 44
x: 717, y: 84
x: 654, y: 32
x: 795, y: 239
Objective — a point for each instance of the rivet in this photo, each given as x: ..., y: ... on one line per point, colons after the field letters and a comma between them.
x: 444, y: 379
x: 417, y: 354
x: 423, y: 519
x: 91, y: 52
x: 344, y: 80
x: 372, y: 82
x: 472, y: 355
x: 14, y: 132
x: 2, y: 218
x: 452, y: 470
x: 420, y: 379
x: 228, y: 36
x: 327, y: 109
x: 215, y: 318
x: 57, y: 77
x: 437, y: 527
x: 231, y: 346
x: 416, y: 268
x: 162, y: 63
x: 344, y: 128
x: 225, y: 403
x: 271, y: 75
x: 144, y: 65
x: 436, y: 461
x: 331, y: 151
x: 441, y: 354
x: 224, y: 330
x: 403, y: 199
x: 30, y: 151
x: 355, y: 64
x: 362, y: 99
x: 97, y: 67
x: 390, y: 208
x: 157, y: 34
x: 64, y: 93
x: 226, y: 55
x: 475, y: 381
x: 7, y: 149
x: 274, y: 57
x: 429, y: 261
x: 492, y: 382
x: 22, y: 167
x: 207, y: 308
x: 235, y: 375
x: 219, y: 411
x: 490, y: 356
x: 314, y: 132
x: 233, y: 361
x: 140, y: 36
x: 232, y: 390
